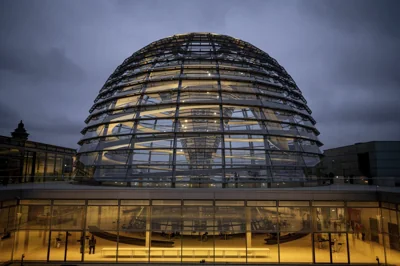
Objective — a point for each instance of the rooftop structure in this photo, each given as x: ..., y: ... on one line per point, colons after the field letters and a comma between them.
x: 20, y: 132
x: 199, y: 110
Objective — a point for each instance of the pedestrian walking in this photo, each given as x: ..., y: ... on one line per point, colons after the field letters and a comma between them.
x: 92, y: 245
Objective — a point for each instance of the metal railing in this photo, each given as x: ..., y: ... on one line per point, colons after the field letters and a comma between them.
x: 311, y: 183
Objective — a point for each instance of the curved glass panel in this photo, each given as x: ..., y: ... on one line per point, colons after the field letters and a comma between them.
x: 199, y: 110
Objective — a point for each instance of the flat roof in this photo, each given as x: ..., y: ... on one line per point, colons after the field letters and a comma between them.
x: 64, y: 190
x: 368, y: 142
x: 5, y: 140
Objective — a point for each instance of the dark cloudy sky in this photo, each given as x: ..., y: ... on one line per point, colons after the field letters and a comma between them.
x: 344, y: 55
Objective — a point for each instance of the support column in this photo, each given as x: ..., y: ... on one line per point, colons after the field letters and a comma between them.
x: 99, y: 217
x: 26, y: 241
x: 248, y: 226
x: 33, y: 168
x: 45, y: 168
x: 21, y: 165
x: 55, y: 165
x: 43, y: 234
x: 148, y: 227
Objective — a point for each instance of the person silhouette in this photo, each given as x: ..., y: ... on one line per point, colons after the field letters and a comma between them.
x: 92, y: 245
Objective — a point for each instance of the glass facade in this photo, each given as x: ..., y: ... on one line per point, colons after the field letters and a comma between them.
x: 189, y: 231
x: 29, y: 161
x: 199, y: 110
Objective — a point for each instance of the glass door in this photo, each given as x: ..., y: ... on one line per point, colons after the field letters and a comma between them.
x: 57, y: 246
x: 330, y: 248
x: 322, y: 247
x: 339, y: 248
x: 73, y: 246
x: 65, y: 246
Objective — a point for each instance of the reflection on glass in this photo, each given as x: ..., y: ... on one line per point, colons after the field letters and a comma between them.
x: 331, y: 219
x: 295, y: 247
x: 67, y: 217
x: 366, y: 251
x: 293, y: 219
x: 103, y: 217
x: 58, y: 170
x: 34, y: 217
x: 40, y: 165
x: 134, y: 233
x: 50, y: 164
x: 262, y: 247
x: 31, y: 243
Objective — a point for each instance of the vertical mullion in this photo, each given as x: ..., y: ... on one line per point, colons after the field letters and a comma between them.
x: 118, y: 219
x: 133, y: 138
x: 313, y: 245
x: 16, y: 229
x: 347, y: 247
x: 221, y: 121
x: 66, y: 245
x: 150, y: 213
x: 214, y: 226
x: 134, y: 127
x: 181, y: 222
x: 33, y: 166
x: 177, y: 114
x: 55, y: 163
x: 83, y: 234
x: 247, y: 219
x: 63, y: 166
x: 312, y: 226
x: 268, y: 164
x: 383, y: 231
x: 45, y: 167
x: 279, y: 231
x: 51, y: 221
x: 330, y: 247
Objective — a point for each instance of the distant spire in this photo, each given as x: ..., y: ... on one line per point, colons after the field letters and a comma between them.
x: 20, y: 132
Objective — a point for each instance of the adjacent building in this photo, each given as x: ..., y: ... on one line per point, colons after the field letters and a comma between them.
x: 375, y: 162
x: 22, y: 160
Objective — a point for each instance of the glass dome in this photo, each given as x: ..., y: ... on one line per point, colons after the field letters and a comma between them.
x: 199, y: 110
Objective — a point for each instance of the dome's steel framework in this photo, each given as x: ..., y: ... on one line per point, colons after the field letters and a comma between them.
x: 199, y: 110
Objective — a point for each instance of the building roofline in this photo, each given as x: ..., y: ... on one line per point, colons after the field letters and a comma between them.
x: 40, y: 143
x: 367, y: 142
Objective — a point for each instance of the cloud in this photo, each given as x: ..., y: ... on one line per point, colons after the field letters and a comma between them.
x: 56, y: 55
x: 357, y: 15
x: 53, y: 129
x: 49, y: 65
x: 9, y: 119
